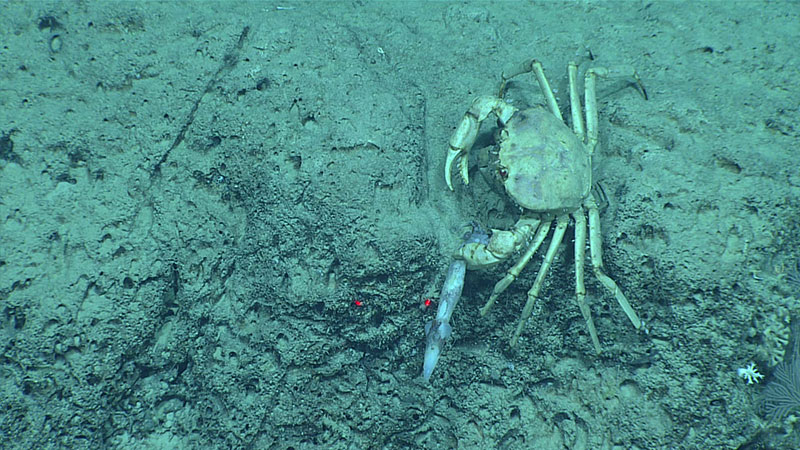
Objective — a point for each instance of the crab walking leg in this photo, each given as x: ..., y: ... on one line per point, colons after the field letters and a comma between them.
x: 515, y: 270
x: 590, y: 102
x: 533, y: 294
x: 580, y: 288
x: 596, y: 248
x: 464, y: 137
x: 575, y: 102
x: 590, y: 92
x: 534, y: 66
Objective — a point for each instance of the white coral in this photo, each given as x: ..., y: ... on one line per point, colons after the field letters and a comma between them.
x: 750, y: 373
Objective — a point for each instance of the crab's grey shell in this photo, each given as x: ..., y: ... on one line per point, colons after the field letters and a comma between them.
x: 548, y: 167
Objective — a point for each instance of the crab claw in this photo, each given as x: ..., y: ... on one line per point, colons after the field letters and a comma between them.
x: 460, y: 143
x: 467, y: 131
x: 463, y: 166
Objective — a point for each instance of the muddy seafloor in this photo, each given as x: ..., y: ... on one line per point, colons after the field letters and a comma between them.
x: 220, y: 223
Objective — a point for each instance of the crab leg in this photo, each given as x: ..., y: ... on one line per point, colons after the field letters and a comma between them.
x: 596, y: 247
x: 580, y: 287
x: 533, y: 65
x: 515, y: 270
x: 575, y: 102
x: 533, y: 294
x: 590, y: 96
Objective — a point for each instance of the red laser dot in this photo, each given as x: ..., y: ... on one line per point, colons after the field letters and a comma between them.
x: 358, y: 303
x: 428, y: 302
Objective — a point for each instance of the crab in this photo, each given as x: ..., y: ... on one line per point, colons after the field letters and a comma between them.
x: 546, y: 169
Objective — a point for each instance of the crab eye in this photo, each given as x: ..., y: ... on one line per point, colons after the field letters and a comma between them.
x: 503, y: 172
